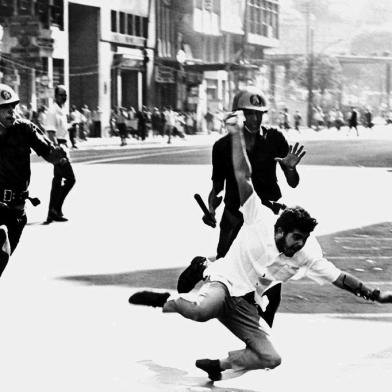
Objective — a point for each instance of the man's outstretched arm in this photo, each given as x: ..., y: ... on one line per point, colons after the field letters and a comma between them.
x: 241, y: 164
x: 352, y: 284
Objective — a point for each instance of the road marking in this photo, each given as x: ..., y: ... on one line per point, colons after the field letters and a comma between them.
x: 362, y: 238
x: 358, y: 257
x: 124, y: 158
x: 373, y: 283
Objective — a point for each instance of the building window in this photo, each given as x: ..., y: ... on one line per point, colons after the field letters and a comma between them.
x: 131, y: 24
x: 263, y: 18
x: 114, y: 27
x: 23, y: 7
x: 122, y: 23
x: 138, y: 26
x: 57, y: 14
x: 145, y: 27
x: 212, y: 89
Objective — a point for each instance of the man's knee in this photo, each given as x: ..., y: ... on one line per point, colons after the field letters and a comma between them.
x: 201, y: 314
x: 269, y: 361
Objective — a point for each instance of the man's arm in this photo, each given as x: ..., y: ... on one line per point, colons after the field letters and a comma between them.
x: 352, y: 284
x: 241, y: 164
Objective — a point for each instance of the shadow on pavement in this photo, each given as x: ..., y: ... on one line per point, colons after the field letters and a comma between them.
x: 177, y: 377
x: 165, y: 278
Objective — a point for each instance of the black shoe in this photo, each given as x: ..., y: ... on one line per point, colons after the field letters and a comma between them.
x: 59, y: 218
x: 54, y: 216
x: 192, y: 275
x: 149, y: 298
x: 212, y: 367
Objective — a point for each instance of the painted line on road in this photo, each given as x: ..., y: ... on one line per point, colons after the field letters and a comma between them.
x: 124, y: 158
x: 358, y: 257
x: 374, y: 282
x: 342, y: 239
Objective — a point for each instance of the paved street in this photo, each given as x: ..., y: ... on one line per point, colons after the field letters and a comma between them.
x: 65, y: 320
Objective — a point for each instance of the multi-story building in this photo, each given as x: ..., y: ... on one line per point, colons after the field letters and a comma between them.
x: 99, y: 49
x: 189, y: 54
x: 207, y: 49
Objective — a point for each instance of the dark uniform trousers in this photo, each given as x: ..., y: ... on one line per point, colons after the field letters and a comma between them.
x: 62, y: 183
x: 230, y: 225
x: 15, y: 221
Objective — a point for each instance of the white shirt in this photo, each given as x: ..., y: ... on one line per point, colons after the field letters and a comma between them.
x: 253, y: 261
x: 56, y: 120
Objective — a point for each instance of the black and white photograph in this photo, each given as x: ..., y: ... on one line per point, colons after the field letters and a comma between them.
x: 195, y: 195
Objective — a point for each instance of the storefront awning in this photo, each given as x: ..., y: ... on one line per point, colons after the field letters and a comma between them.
x: 219, y: 67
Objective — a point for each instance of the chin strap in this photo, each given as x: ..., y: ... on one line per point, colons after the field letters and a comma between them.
x: 355, y: 286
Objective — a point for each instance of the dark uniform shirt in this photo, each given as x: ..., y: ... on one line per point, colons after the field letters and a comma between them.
x: 15, y: 148
x: 262, y: 161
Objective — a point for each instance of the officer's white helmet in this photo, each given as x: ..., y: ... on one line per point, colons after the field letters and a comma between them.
x: 250, y: 98
x: 7, y: 95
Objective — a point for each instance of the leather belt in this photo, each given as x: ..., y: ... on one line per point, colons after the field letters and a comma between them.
x: 9, y: 195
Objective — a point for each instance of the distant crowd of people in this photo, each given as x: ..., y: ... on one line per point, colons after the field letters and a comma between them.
x: 82, y: 123
x: 332, y: 118
x: 139, y: 124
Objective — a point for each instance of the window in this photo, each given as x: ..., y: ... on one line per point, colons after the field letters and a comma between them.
x: 212, y: 89
x: 131, y: 24
x: 122, y: 23
x: 138, y: 26
x: 263, y: 18
x: 57, y: 15
x: 114, y: 21
x: 145, y: 27
x: 23, y: 7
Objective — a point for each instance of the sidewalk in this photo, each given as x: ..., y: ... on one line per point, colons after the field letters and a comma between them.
x: 306, y: 134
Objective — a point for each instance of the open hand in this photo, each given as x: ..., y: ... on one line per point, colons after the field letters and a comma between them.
x: 293, y: 157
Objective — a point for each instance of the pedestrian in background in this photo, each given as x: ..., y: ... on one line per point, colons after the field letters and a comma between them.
x: 17, y: 137
x: 96, y: 120
x: 76, y: 119
x: 63, y: 175
x: 297, y: 121
x: 353, y: 121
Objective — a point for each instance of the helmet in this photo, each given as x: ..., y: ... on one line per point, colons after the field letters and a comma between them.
x: 250, y: 98
x: 7, y: 95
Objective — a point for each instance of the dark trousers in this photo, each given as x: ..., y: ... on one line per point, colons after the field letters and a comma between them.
x: 230, y: 225
x: 15, y: 221
x: 62, y: 183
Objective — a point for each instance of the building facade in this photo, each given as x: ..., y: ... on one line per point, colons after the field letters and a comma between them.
x: 188, y: 54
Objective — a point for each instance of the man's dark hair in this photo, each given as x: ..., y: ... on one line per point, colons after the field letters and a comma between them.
x: 295, y: 218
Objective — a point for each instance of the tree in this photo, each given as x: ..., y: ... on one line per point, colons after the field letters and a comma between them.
x: 327, y: 72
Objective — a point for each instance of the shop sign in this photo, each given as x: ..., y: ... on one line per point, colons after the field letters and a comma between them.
x: 24, y: 25
x: 164, y: 74
x: 127, y: 39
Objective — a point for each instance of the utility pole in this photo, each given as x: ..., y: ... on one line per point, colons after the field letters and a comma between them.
x: 310, y: 61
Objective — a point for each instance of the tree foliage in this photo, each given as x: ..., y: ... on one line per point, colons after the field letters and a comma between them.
x: 327, y: 72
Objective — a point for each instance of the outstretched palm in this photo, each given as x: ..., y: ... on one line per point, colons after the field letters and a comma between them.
x: 293, y: 157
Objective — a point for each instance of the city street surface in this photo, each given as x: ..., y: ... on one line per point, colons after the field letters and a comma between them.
x: 65, y: 319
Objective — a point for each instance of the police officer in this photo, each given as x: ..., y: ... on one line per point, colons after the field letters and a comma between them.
x: 17, y: 138
x: 56, y: 127
x: 265, y: 148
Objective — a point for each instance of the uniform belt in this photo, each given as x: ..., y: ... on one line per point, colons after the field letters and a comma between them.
x: 9, y: 195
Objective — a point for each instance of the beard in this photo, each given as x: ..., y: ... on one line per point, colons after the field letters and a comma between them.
x: 282, y: 246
